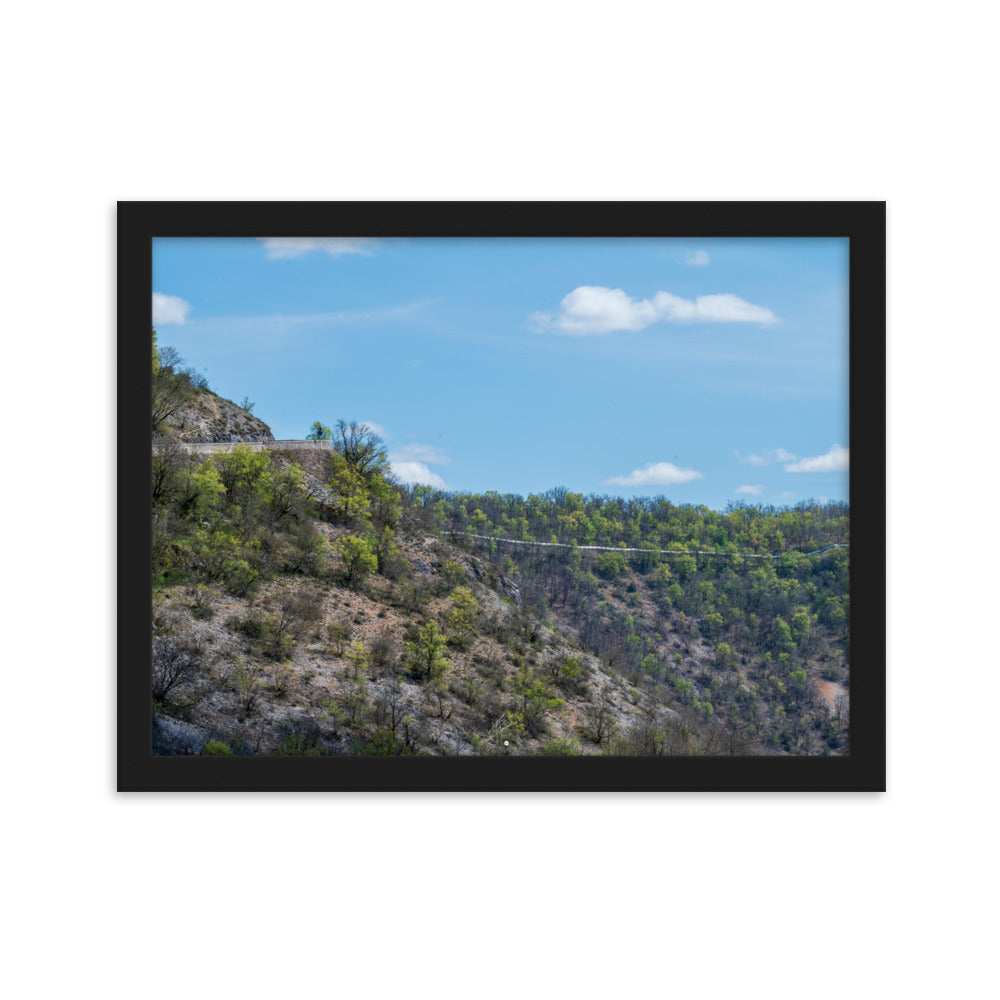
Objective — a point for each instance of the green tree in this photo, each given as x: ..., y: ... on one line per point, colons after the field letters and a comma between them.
x: 661, y: 577
x: 724, y: 656
x: 318, y: 432
x: 246, y: 475
x: 610, y: 565
x: 171, y: 387
x: 783, y: 634
x: 801, y: 625
x: 286, y: 494
x: 461, y: 616
x: 384, y: 502
x: 357, y: 558
x: 536, y: 696
x: 423, y: 656
x: 349, y: 498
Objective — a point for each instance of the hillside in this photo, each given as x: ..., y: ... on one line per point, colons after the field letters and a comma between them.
x: 184, y: 408
x: 208, y: 417
x: 305, y: 603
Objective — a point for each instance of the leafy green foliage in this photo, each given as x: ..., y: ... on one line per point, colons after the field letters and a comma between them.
x: 706, y: 652
x: 301, y: 744
x: 610, y: 565
x: 357, y: 559
x: 318, y: 432
x: 453, y: 574
x: 536, y: 697
x: 462, y: 616
x: 423, y: 656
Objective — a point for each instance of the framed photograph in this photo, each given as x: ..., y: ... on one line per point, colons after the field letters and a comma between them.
x: 501, y: 496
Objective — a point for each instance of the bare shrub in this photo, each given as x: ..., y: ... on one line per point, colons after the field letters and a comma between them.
x: 384, y: 652
x: 340, y: 633
x: 599, y: 718
x: 172, y: 665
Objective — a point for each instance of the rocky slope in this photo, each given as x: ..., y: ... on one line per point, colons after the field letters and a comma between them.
x: 319, y: 699
x: 208, y: 417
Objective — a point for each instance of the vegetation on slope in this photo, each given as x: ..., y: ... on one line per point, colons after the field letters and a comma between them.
x: 759, y: 643
x: 306, y: 603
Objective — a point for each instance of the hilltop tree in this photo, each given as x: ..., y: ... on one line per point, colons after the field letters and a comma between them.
x: 362, y: 448
x: 173, y: 386
x: 318, y: 432
x: 171, y: 389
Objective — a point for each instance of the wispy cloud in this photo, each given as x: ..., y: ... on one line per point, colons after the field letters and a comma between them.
x: 698, y: 258
x: 752, y: 490
x: 169, y: 310
x: 409, y: 463
x: 837, y: 459
x: 287, y: 247
x: 278, y: 322
x: 593, y: 310
x: 373, y: 428
x: 768, y: 456
x: 420, y: 453
x: 655, y: 474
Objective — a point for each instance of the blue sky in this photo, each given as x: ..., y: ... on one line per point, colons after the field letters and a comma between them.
x: 704, y: 370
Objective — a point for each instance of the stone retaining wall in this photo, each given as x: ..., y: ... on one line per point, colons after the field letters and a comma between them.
x: 223, y: 446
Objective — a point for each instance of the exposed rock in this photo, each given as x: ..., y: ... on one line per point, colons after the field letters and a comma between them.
x: 511, y: 589
x: 211, y: 418
x: 173, y: 737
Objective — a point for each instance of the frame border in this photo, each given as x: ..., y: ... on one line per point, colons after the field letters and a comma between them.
x: 863, y: 222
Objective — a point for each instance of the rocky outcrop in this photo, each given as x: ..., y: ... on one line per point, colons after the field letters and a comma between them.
x: 210, y: 418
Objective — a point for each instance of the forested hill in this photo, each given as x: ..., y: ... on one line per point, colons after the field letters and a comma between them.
x: 562, y: 516
x: 763, y: 641
x: 362, y: 616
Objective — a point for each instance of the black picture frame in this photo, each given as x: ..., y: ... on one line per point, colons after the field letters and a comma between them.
x: 863, y: 223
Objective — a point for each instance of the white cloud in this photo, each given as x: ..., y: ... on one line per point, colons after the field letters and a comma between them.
x: 420, y: 453
x: 655, y: 474
x: 593, y: 310
x: 752, y: 490
x: 409, y: 463
x: 837, y: 459
x: 699, y: 258
x: 169, y: 310
x: 285, y: 247
x: 770, y: 455
x: 373, y: 428
x: 416, y: 472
